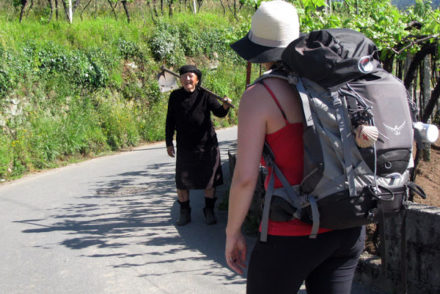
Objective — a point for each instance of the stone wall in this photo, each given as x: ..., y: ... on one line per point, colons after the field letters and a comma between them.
x: 421, y: 261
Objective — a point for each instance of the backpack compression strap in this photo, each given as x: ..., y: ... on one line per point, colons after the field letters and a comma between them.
x: 292, y: 197
x: 344, y: 129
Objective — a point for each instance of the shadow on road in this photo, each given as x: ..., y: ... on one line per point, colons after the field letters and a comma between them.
x: 129, y: 219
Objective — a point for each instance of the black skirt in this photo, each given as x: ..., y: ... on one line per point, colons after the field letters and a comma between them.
x: 197, y: 169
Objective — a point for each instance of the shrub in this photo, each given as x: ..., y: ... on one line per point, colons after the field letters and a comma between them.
x: 5, y: 82
x: 129, y: 49
x: 118, y: 124
x: 165, y: 45
x: 6, y: 156
x: 190, y: 40
x: 81, y: 130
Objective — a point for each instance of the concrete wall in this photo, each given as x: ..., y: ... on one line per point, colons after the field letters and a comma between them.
x: 421, y: 260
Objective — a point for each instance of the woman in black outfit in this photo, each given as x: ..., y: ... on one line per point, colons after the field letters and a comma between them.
x: 198, y: 163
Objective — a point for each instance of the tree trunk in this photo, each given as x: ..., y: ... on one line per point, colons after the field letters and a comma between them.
x: 155, y: 8
x: 70, y: 13
x: 82, y: 11
x: 56, y: 9
x: 329, y: 7
x: 224, y: 9
x: 400, y: 69
x: 66, y: 12
x: 427, y: 112
x: 23, y: 6
x: 170, y: 8
x: 75, y: 5
x: 30, y: 6
x: 388, y: 62
x: 194, y: 7
x: 425, y: 93
x: 124, y: 4
x: 51, y: 9
x: 113, y: 8
x: 425, y: 80
x: 424, y: 51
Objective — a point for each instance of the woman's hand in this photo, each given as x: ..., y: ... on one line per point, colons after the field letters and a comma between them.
x: 170, y: 151
x: 235, y: 252
x: 226, y: 102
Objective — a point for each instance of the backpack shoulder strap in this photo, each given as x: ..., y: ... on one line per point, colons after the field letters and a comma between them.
x: 296, y: 81
x: 275, y: 100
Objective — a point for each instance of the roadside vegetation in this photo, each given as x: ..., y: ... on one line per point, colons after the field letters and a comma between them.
x: 81, y: 89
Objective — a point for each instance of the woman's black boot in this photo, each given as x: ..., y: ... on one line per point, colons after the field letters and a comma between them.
x: 208, y: 211
x: 185, y: 213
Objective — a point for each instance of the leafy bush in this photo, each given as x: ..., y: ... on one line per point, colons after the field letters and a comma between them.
x: 5, y: 82
x: 81, y: 131
x: 79, y: 67
x: 6, y: 155
x: 118, y: 123
x: 129, y: 49
x: 191, y: 42
x: 165, y: 45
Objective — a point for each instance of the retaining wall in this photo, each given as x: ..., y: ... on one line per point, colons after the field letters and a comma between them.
x: 420, y: 259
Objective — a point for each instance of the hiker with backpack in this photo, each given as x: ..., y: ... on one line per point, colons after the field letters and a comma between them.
x: 198, y: 164
x: 270, y: 113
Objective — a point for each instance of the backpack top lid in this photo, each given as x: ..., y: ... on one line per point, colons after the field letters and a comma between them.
x: 331, y: 57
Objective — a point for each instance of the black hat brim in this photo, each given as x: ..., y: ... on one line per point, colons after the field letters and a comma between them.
x: 255, y: 53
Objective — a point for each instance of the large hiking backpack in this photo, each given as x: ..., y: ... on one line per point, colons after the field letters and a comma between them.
x: 348, y: 181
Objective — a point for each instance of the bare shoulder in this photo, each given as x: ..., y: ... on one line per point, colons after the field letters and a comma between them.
x: 281, y: 85
x: 255, y: 96
x: 287, y: 96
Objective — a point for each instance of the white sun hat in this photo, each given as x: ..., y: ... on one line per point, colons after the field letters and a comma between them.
x: 274, y: 25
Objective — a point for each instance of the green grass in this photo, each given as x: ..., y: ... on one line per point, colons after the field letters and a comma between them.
x: 75, y: 92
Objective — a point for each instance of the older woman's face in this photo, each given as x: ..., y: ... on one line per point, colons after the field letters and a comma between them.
x: 189, y: 81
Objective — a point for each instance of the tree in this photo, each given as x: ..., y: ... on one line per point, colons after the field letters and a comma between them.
x: 23, y: 6
x: 124, y: 4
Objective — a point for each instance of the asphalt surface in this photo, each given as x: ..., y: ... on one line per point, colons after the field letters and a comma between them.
x: 106, y: 225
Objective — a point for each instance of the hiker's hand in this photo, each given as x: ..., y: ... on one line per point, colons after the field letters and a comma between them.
x: 170, y: 151
x: 226, y: 102
x: 235, y: 252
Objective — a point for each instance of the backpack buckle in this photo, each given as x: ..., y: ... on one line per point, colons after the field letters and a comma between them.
x: 337, y: 102
x: 291, y: 79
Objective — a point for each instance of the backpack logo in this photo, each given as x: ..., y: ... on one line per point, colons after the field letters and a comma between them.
x: 396, y: 130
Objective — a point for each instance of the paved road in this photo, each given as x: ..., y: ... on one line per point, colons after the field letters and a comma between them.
x: 107, y: 226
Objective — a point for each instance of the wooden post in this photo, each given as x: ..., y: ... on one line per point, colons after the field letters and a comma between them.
x: 248, y: 73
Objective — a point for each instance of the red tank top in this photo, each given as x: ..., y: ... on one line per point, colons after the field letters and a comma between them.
x: 287, y: 146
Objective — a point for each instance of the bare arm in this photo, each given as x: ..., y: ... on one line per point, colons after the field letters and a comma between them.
x: 251, y: 134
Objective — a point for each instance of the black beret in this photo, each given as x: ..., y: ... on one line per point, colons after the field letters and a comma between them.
x: 191, y: 68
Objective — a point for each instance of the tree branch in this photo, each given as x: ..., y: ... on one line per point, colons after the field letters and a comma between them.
x: 412, y: 43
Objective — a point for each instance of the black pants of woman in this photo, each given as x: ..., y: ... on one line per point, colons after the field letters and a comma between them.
x: 327, y: 264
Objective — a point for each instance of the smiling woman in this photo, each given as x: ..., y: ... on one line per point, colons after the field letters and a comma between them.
x: 189, y: 81
x: 190, y: 77
x: 198, y: 164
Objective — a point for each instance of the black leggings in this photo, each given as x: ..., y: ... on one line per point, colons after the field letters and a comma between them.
x: 327, y: 264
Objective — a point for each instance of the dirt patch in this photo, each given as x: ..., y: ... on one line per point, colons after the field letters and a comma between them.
x: 428, y: 177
